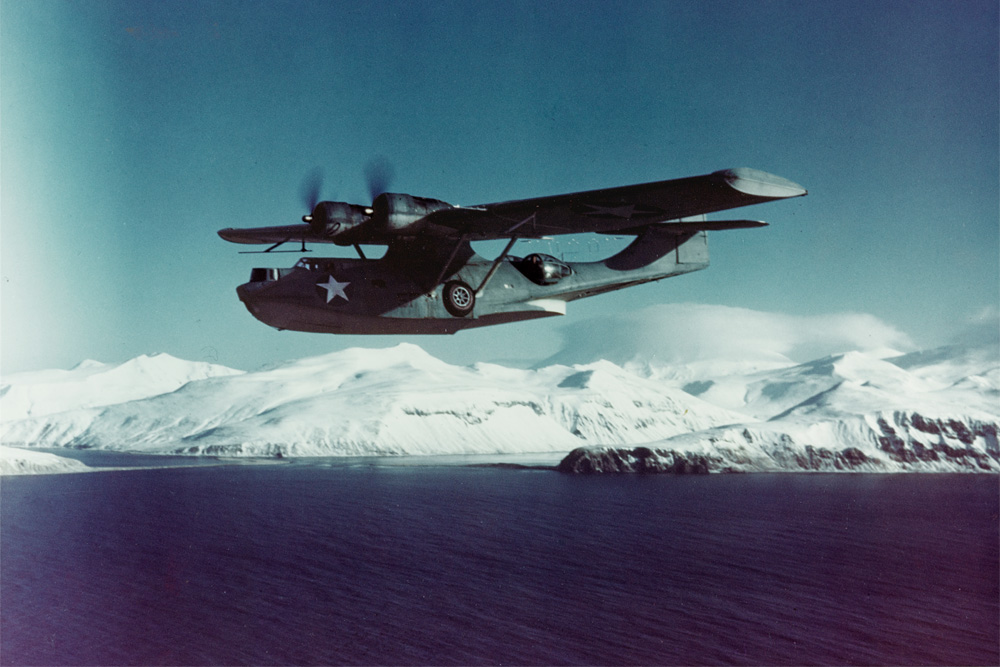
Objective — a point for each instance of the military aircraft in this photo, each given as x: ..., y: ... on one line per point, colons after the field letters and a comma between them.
x: 431, y: 281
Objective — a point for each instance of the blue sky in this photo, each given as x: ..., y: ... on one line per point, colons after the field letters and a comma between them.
x: 131, y: 131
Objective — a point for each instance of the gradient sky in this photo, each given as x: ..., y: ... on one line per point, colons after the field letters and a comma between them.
x: 131, y: 131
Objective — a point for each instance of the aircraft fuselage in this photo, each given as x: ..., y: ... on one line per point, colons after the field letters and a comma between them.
x: 410, y: 292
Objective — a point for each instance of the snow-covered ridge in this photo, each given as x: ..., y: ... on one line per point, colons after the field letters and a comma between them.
x: 382, y: 402
x: 853, y: 411
x: 93, y: 384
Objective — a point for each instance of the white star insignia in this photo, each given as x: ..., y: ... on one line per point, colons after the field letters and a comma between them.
x: 334, y: 289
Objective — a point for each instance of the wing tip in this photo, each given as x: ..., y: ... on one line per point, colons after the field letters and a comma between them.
x: 227, y: 235
x: 758, y: 183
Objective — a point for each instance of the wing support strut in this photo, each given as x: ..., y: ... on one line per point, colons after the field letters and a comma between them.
x: 531, y: 218
x: 272, y: 248
x: 496, y: 265
x: 444, y: 269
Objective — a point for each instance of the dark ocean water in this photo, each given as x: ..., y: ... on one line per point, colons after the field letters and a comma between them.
x: 334, y: 563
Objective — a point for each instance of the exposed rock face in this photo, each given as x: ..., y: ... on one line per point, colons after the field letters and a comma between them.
x: 596, y: 460
x: 934, y: 440
x: 948, y: 446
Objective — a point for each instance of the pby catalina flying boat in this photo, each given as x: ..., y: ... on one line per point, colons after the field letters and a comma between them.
x: 431, y: 281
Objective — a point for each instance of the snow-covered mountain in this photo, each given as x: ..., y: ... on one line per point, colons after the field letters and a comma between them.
x: 93, y: 384
x: 857, y: 411
x: 938, y: 410
x: 376, y: 402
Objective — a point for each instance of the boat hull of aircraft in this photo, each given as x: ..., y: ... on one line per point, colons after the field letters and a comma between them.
x: 385, y: 296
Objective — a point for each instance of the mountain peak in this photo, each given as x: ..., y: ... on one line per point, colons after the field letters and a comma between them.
x: 88, y: 365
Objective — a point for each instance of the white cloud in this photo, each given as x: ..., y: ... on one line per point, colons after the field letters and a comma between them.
x: 687, y: 332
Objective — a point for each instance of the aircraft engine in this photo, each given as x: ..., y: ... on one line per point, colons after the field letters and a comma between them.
x: 395, y: 214
x: 333, y: 218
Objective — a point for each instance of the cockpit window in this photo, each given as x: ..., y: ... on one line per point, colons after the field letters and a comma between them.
x: 263, y: 275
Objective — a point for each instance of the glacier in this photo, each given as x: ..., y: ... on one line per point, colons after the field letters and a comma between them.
x: 936, y: 411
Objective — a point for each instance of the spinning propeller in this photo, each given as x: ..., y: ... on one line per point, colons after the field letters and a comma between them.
x: 379, y: 174
x: 311, y: 186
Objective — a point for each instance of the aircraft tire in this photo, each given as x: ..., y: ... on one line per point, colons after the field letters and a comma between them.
x: 459, y: 298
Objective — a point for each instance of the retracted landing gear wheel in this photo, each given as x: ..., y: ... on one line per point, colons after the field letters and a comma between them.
x: 459, y: 298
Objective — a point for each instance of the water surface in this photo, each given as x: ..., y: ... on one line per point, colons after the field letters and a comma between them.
x: 361, y: 563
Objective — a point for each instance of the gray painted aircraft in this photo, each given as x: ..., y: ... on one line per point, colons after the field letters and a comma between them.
x: 431, y: 281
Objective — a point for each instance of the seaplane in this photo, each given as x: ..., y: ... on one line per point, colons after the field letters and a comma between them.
x: 430, y: 279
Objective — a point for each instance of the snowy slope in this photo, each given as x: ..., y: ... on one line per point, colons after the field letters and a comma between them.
x: 93, y: 384
x: 938, y: 410
x: 970, y: 378
x: 15, y: 461
x: 855, y: 411
x: 394, y: 401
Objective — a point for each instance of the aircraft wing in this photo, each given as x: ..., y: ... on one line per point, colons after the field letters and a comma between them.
x: 630, y: 207
x: 278, y: 234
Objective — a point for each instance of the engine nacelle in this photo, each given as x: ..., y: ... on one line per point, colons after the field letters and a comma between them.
x: 395, y: 214
x: 334, y: 219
